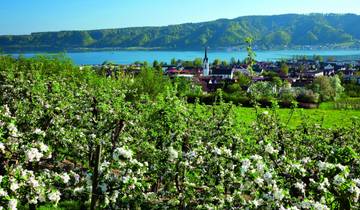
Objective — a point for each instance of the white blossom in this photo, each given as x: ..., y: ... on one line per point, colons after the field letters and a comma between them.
x: 12, y: 205
x: 114, y: 196
x: 14, y: 186
x: 301, y: 186
x: 2, y: 147
x: 78, y: 190
x: 65, y: 178
x: 227, y: 151
x: 339, y: 180
x: 260, y: 167
x: 278, y: 194
x: 245, y: 165
x: 7, y: 112
x: 13, y: 130
x: 33, y: 182
x: 76, y: 177
x: 305, y: 160
x: 357, y: 182
x: 122, y: 152
x: 3, y: 193
x: 259, y: 181
x: 54, y: 196
x: 268, y: 176
x: 319, y: 206
x: 270, y: 149
x: 217, y: 151
x: 33, y: 154
x: 125, y: 179
x: 173, y: 154
x: 39, y: 132
x: 257, y: 202
x: 324, y: 166
x: 341, y: 167
x: 323, y: 185
x: 43, y: 147
x: 256, y: 157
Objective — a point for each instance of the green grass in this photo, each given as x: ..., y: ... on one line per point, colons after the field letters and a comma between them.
x: 325, y: 117
x: 62, y: 205
x: 342, y: 104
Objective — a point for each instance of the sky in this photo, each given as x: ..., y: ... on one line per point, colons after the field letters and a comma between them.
x: 26, y: 16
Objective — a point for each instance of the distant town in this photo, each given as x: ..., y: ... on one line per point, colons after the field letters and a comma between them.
x: 296, y: 72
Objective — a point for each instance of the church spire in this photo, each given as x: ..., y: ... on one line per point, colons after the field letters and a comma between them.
x: 206, y: 65
x: 206, y: 57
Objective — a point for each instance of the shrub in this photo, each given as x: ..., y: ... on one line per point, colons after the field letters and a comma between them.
x: 307, y: 96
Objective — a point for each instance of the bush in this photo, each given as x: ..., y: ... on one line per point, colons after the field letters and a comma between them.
x: 307, y: 96
x: 352, y: 89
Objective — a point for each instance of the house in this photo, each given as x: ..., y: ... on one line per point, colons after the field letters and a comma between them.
x: 312, y: 74
x: 329, y: 70
x: 223, y: 73
x: 172, y: 71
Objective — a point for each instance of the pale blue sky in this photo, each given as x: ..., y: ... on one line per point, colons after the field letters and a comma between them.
x: 26, y: 16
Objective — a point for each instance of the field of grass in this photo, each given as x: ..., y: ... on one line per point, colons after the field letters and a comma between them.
x: 325, y: 117
x: 343, y: 104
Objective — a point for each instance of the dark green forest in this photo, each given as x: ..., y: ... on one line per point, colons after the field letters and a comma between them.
x: 278, y: 31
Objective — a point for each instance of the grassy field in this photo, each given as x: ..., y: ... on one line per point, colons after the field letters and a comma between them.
x: 343, y: 104
x: 325, y: 117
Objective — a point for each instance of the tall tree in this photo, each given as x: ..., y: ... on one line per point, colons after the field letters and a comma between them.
x: 250, y: 59
x: 284, y: 69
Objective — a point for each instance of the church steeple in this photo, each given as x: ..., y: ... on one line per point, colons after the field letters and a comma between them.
x: 206, y: 65
x: 206, y: 59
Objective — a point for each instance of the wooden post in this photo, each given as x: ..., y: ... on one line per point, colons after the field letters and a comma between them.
x: 95, y: 183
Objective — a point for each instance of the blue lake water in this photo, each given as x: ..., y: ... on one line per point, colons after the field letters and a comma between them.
x: 127, y: 57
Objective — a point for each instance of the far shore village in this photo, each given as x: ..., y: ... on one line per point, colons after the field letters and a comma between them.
x: 301, y: 71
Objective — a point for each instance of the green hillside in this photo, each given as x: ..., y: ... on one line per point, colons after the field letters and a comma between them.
x: 278, y: 31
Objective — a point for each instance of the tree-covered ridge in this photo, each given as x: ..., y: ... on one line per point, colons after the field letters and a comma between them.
x: 290, y: 30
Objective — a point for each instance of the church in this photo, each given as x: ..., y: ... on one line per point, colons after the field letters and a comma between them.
x: 218, y: 72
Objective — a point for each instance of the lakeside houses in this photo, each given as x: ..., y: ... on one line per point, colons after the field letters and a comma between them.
x: 301, y: 71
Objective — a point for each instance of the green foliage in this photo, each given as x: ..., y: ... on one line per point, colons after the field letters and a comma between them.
x: 217, y: 62
x: 151, y: 82
x: 261, y: 90
x: 352, y: 89
x: 242, y: 79
x: 284, y: 69
x: 250, y: 59
x: 198, y: 62
x: 307, y: 96
x: 279, y: 38
x: 329, y: 88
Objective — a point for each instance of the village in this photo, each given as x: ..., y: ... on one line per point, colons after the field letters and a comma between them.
x: 297, y: 72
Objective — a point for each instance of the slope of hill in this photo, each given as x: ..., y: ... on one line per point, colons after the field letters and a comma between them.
x: 278, y: 31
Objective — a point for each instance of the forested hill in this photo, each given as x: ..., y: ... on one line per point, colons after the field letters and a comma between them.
x: 278, y: 31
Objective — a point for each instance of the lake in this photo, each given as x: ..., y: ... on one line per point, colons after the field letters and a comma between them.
x: 127, y: 57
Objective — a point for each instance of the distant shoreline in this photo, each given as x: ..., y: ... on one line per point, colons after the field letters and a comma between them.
x: 219, y: 49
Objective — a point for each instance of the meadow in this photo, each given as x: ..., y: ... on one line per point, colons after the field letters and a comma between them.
x: 327, y: 118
